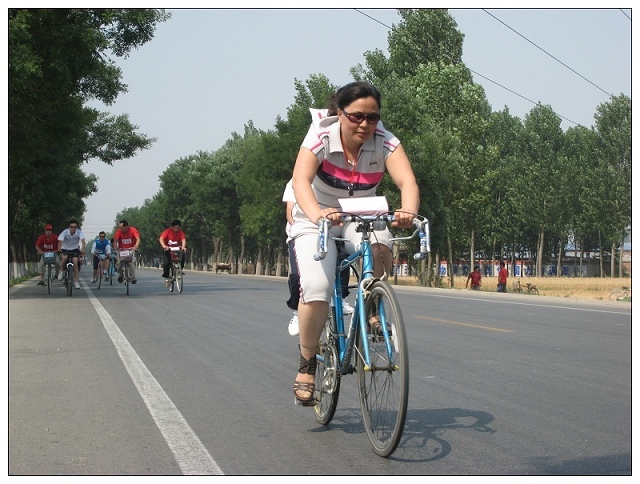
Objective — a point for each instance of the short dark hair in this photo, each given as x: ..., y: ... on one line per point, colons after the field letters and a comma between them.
x: 352, y: 92
x: 102, y: 233
x: 476, y: 268
x: 176, y: 222
x: 73, y: 221
x: 124, y: 222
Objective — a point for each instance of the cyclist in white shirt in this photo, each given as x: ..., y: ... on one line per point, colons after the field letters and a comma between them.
x: 72, y: 244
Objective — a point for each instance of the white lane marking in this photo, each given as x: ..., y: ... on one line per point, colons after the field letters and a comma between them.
x: 191, y: 455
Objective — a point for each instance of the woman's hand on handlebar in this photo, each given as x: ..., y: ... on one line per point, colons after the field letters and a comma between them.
x: 403, y: 219
x: 332, y: 214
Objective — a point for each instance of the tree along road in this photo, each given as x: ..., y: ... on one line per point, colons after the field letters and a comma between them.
x: 164, y: 383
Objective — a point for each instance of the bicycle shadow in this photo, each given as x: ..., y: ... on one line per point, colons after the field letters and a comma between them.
x: 423, y: 438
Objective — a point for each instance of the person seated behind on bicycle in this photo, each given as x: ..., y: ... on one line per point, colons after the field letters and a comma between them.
x: 126, y: 238
x: 172, y: 237
x: 47, y: 242
x: 344, y: 153
x: 71, y: 243
x: 100, y: 247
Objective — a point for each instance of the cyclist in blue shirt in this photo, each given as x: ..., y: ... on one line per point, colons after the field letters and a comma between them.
x: 101, y: 251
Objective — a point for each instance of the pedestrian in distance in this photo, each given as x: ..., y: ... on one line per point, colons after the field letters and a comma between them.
x: 476, y: 279
x: 502, y: 278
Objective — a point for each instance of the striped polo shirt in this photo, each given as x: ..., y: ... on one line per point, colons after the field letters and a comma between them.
x: 335, y: 175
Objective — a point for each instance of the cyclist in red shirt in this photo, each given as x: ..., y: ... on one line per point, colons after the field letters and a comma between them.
x: 476, y: 279
x: 127, y: 238
x: 47, y: 242
x: 172, y: 237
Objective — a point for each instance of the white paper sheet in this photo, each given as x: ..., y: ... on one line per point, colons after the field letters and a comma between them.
x: 364, y: 205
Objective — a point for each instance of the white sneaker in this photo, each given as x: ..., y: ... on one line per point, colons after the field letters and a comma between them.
x: 294, y: 329
x: 77, y: 285
x: 61, y: 277
x: 93, y: 280
x: 346, y: 307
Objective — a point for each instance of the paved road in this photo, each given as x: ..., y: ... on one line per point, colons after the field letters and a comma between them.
x: 200, y: 383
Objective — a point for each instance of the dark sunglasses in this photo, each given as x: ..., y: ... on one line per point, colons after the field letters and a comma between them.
x: 358, y: 118
x: 73, y: 226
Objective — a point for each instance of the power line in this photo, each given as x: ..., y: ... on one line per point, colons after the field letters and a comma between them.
x: 538, y: 47
x: 488, y: 79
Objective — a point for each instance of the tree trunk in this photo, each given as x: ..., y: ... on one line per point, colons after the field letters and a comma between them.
x: 241, y: 264
x: 601, y: 255
x: 472, y: 250
x: 450, y: 258
x: 559, y: 264
x: 612, y: 264
x: 540, y: 252
x: 259, y: 262
x: 279, y: 261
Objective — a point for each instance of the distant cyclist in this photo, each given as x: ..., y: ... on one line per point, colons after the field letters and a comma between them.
x: 72, y: 243
x: 126, y: 238
x: 172, y: 237
x: 47, y: 242
x: 101, y: 247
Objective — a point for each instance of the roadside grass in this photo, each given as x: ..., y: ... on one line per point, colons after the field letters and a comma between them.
x: 597, y: 288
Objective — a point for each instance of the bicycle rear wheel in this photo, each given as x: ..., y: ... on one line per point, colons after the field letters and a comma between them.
x: 178, y: 274
x: 384, y: 386
x: 327, y: 374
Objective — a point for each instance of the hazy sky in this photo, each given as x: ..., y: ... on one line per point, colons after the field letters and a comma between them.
x: 207, y: 73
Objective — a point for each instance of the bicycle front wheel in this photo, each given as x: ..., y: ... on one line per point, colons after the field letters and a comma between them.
x: 126, y: 277
x: 327, y: 374
x: 384, y: 383
x: 178, y: 273
x: 100, y: 277
x: 49, y: 278
x: 616, y: 294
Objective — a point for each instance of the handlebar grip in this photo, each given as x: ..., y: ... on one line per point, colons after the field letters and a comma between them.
x: 324, y: 225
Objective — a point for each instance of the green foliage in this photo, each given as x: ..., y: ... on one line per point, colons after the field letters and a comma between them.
x: 58, y: 60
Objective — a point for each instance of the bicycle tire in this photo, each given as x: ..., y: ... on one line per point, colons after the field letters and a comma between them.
x: 172, y: 278
x: 49, y: 278
x: 616, y: 294
x: 69, y: 283
x: 327, y: 374
x: 126, y: 277
x: 178, y: 273
x: 384, y: 386
x: 111, y: 271
x: 534, y: 290
x: 99, y: 276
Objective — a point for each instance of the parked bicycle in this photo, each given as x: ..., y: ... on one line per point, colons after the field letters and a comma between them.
x: 49, y: 259
x: 618, y: 294
x: 175, y: 275
x: 125, y: 258
x: 529, y: 289
x: 373, y: 344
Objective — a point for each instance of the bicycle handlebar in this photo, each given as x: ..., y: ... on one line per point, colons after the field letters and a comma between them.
x: 419, y: 222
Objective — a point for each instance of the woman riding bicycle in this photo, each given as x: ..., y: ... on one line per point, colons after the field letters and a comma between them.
x: 344, y: 154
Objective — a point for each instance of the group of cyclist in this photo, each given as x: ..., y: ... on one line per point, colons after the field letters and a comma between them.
x: 71, y: 245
